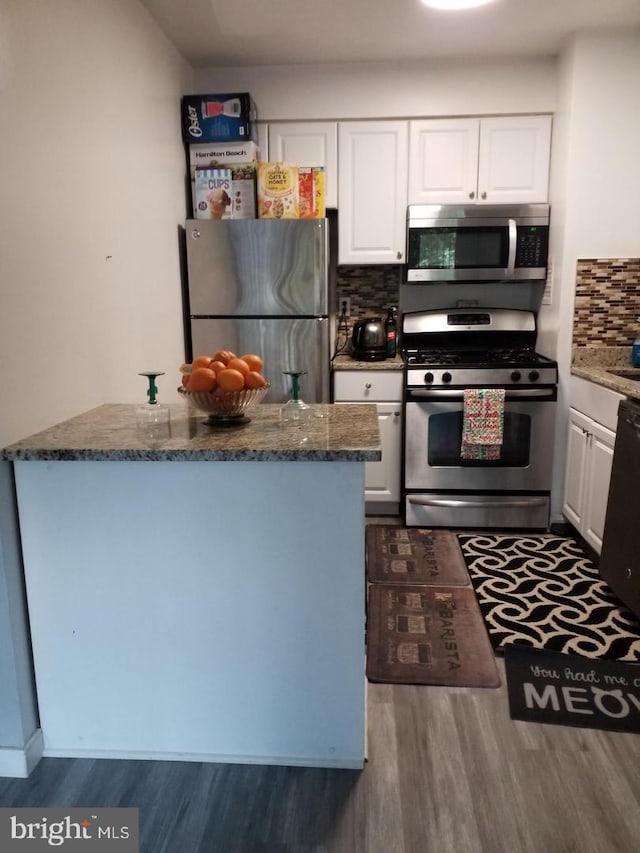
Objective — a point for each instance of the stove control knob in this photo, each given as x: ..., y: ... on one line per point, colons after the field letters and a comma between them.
x: 516, y: 376
x: 446, y: 377
x: 428, y: 377
x: 534, y: 376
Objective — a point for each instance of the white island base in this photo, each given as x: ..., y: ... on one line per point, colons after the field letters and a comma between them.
x: 209, y: 611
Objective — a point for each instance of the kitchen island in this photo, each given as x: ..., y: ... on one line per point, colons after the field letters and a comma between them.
x: 198, y: 595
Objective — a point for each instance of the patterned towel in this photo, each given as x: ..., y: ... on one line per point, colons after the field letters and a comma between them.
x: 482, y: 423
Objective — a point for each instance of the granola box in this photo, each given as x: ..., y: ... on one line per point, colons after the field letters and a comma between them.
x: 311, y: 192
x: 277, y: 191
x: 213, y: 194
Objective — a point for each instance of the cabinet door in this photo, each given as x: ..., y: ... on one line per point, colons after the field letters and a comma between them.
x: 372, y: 191
x: 513, y: 164
x: 263, y: 140
x: 382, y: 479
x: 308, y: 143
x: 574, y: 484
x: 443, y: 161
x: 598, y: 476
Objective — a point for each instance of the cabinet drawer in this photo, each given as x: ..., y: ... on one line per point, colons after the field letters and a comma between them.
x: 367, y: 385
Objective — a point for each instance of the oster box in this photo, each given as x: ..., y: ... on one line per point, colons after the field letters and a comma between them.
x: 219, y: 118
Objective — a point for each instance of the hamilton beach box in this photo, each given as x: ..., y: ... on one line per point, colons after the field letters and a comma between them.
x: 219, y: 118
x: 241, y: 158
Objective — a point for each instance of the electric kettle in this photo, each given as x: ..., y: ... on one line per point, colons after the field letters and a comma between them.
x: 368, y: 340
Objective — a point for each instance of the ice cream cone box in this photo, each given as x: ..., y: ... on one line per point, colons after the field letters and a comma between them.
x: 213, y: 194
x: 242, y: 159
x: 219, y: 118
x: 311, y: 192
x: 277, y: 191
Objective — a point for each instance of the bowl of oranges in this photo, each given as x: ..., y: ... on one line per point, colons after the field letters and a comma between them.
x: 224, y: 385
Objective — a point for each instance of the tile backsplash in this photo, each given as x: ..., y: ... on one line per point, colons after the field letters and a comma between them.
x: 371, y: 289
x: 607, y: 306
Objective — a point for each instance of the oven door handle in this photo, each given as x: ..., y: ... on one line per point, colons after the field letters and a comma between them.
x: 511, y: 393
x: 528, y: 502
x: 513, y: 245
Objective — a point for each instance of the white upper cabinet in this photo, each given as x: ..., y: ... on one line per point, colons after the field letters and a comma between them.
x: 513, y: 164
x: 372, y: 191
x: 443, y: 161
x: 308, y: 143
x: 263, y: 140
x: 479, y: 161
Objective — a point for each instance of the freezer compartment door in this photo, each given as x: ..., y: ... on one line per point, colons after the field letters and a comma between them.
x: 283, y: 344
x: 253, y: 267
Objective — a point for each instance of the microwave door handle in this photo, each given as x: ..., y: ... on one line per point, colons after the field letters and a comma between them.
x: 513, y: 243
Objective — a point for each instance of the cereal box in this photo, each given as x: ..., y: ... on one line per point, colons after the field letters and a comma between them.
x: 311, y: 192
x: 213, y: 194
x: 277, y: 191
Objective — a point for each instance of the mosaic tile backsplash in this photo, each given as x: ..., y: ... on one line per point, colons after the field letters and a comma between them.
x: 372, y: 289
x: 607, y: 306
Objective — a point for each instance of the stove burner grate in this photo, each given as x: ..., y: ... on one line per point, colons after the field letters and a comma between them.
x: 473, y: 358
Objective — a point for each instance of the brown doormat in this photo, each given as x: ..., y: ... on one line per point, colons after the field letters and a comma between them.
x: 428, y: 635
x: 414, y: 556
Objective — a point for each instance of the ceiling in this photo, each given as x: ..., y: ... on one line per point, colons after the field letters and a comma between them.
x: 282, y: 32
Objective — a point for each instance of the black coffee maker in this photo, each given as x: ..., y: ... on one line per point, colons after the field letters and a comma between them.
x: 368, y: 340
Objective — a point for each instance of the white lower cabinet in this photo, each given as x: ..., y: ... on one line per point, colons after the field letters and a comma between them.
x: 384, y: 388
x: 589, y: 460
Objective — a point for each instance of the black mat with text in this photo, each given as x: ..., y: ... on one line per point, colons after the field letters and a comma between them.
x: 569, y: 690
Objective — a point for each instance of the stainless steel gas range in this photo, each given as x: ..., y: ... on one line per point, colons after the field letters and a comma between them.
x: 447, y: 352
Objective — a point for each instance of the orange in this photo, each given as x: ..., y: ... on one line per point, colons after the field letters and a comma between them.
x: 254, y: 362
x: 217, y: 366
x: 239, y: 364
x: 201, y: 361
x: 202, y: 379
x: 230, y: 380
x: 254, y: 380
x: 223, y: 355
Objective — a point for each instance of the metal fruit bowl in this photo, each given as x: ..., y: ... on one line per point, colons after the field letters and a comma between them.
x: 224, y: 405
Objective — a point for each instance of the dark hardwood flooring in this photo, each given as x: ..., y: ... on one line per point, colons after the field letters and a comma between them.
x: 448, y: 772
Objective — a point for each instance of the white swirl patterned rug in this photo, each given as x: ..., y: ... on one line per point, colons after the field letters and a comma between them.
x: 543, y: 591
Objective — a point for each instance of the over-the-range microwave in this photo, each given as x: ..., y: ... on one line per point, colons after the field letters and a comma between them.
x: 477, y: 243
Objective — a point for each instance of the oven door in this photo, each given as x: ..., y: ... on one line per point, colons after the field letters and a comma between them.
x: 433, y: 438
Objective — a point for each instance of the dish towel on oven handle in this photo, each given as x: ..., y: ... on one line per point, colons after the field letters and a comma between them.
x: 482, y: 423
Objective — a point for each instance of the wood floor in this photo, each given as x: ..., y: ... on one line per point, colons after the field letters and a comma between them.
x: 448, y: 772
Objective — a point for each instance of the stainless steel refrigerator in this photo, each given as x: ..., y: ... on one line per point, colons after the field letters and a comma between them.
x: 261, y: 286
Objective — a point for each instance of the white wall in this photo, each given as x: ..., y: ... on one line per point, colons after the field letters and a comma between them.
x: 595, y: 185
x: 388, y: 89
x: 91, y: 167
x: 92, y: 183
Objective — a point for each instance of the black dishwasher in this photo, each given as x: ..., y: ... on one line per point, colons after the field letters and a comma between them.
x: 620, y: 557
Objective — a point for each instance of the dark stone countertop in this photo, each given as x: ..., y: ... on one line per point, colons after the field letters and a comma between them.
x: 110, y: 433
